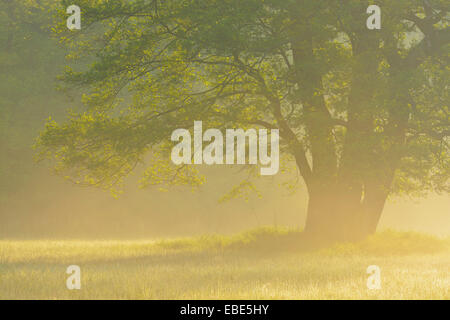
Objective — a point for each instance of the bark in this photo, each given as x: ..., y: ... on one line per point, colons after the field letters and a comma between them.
x: 335, y: 214
x: 373, y: 206
x: 329, y: 216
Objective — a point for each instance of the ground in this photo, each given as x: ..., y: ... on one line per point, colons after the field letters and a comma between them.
x: 262, y: 264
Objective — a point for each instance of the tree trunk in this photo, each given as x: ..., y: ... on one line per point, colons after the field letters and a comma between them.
x: 346, y: 197
x: 340, y: 214
x: 347, y: 210
x: 377, y: 189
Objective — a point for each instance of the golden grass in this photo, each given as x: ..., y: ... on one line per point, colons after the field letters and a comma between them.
x: 266, y: 263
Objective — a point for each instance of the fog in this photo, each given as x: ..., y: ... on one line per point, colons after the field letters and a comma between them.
x: 47, y: 207
x: 35, y: 204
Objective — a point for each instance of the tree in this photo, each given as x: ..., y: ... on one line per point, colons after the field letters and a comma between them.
x: 28, y: 65
x: 362, y: 113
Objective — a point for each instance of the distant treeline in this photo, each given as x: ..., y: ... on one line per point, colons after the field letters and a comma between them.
x: 30, y: 60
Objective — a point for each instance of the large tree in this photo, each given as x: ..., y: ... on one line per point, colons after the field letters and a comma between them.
x: 362, y: 113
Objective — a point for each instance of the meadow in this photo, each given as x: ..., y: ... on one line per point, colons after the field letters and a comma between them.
x: 265, y: 263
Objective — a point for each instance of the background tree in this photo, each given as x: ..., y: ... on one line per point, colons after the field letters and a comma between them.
x: 29, y: 61
x: 361, y: 113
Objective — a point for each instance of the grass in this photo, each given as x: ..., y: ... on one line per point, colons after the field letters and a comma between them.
x: 262, y: 264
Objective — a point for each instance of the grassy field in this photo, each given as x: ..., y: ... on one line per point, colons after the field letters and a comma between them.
x: 262, y: 264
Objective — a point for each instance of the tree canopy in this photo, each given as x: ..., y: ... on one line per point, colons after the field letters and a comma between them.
x: 362, y: 113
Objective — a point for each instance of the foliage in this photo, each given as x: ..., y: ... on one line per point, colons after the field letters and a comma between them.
x: 342, y: 96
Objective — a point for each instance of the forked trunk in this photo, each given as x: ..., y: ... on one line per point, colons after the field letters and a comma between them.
x: 338, y: 215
